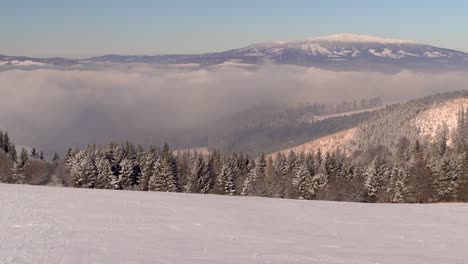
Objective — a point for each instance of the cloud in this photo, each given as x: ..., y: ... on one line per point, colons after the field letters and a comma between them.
x: 53, y: 108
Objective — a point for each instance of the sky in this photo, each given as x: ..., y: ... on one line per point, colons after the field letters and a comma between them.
x: 80, y: 29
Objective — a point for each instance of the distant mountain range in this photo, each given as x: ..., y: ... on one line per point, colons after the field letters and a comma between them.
x: 339, y: 52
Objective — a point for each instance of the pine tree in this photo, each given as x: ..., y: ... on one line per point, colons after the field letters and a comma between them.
x: 105, y: 179
x: 126, y: 172
x: 13, y: 154
x: 56, y: 157
x: 34, y: 154
x: 302, y: 181
x: 2, y: 144
x: 398, y: 185
x: 255, y: 183
x: 447, y: 180
x: 6, y: 143
x: 164, y: 176
x: 147, y: 169
x: 227, y: 177
x: 200, y: 176
x: 441, y: 139
x: 377, y: 172
x: 83, y: 170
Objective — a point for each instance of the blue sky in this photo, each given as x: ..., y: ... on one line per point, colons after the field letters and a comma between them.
x: 95, y: 27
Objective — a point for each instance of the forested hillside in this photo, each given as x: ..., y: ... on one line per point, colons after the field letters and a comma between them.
x: 394, y: 157
x: 272, y: 128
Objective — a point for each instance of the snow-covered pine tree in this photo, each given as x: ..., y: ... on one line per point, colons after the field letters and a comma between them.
x: 147, y: 169
x: 441, y: 138
x: 255, y: 183
x: 227, y: 177
x: 447, y: 180
x: 200, y: 177
x: 164, y: 176
x: 376, y: 173
x: 106, y: 178
x: 126, y: 172
x: 302, y: 182
x: 83, y: 170
x: 398, y: 185
x: 13, y: 154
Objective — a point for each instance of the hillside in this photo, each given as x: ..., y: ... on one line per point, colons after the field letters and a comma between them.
x: 48, y: 225
x: 420, y: 119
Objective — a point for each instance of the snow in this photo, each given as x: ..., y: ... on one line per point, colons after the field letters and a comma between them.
x: 22, y: 63
x: 346, y: 37
x: 428, y: 121
x: 62, y: 225
x: 342, y: 140
x: 387, y: 53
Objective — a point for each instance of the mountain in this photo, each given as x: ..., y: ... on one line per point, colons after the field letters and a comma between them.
x: 28, y: 61
x: 338, y: 52
x: 422, y: 119
x: 335, y: 52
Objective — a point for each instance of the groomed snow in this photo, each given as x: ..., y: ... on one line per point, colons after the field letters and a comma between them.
x: 61, y: 225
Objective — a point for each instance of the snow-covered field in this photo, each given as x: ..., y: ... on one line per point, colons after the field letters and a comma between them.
x: 62, y: 225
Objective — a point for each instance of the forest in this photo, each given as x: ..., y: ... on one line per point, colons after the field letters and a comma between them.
x: 407, y: 170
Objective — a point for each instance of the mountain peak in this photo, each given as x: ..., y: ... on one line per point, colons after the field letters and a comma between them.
x: 347, y: 37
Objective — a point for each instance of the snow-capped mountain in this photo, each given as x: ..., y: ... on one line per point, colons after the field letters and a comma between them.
x: 334, y: 52
x: 338, y: 52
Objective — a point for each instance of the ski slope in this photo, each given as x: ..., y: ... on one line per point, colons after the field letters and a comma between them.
x: 63, y: 225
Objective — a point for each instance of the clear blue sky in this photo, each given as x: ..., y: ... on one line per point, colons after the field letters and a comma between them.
x: 81, y: 28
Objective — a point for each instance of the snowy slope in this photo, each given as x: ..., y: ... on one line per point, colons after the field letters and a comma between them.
x: 62, y: 225
x: 425, y: 124
x: 443, y: 112
x: 342, y: 140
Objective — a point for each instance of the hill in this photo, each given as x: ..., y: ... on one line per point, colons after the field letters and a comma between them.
x: 421, y: 119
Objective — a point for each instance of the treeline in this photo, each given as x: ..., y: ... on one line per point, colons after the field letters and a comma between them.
x: 416, y: 173
x: 342, y: 107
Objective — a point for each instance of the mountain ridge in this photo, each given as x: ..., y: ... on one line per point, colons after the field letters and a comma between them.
x: 338, y: 52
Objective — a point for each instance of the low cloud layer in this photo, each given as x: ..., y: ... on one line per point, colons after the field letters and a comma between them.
x: 52, y: 109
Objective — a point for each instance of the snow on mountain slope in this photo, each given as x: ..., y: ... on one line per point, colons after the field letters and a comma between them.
x: 424, y: 124
x: 49, y: 225
x: 443, y: 112
x: 342, y: 140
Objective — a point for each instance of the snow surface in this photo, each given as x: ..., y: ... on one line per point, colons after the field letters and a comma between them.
x: 62, y: 225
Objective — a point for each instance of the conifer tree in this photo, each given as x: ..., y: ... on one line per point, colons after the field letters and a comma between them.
x: 302, y: 181
x: 377, y: 172
x: 227, y: 176
x: 126, y: 172
x: 447, y: 180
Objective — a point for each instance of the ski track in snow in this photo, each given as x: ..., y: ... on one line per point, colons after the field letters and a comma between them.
x: 63, y: 225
